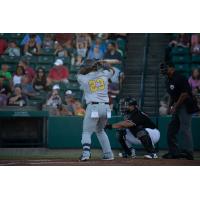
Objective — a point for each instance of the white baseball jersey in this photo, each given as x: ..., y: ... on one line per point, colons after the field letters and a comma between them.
x: 95, y: 85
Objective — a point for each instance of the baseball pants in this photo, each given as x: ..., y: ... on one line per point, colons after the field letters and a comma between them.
x: 132, y: 140
x: 96, y: 124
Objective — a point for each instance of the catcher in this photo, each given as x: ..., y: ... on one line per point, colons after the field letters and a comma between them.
x: 137, y: 128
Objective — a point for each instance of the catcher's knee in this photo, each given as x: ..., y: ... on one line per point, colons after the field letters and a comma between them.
x: 121, y: 134
x: 141, y: 133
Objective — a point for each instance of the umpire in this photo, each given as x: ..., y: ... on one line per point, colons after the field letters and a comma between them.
x: 182, y: 104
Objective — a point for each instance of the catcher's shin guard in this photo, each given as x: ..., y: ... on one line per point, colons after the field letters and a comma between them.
x: 121, y: 139
x: 146, y: 141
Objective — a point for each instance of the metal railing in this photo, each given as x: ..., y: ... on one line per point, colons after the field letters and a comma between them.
x: 143, y: 74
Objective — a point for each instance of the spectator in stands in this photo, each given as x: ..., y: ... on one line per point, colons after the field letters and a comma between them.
x: 195, y: 44
x: 28, y: 70
x: 79, y: 60
x: 78, y: 109
x: 59, y: 73
x: 13, y: 49
x: 183, y: 40
x: 81, y: 49
x: 69, y: 102
x: 60, y: 51
x: 32, y: 47
x: 112, y: 54
x: 48, y: 42
x: 119, y: 50
x: 83, y: 38
x: 178, y: 40
x: 194, y: 81
x: 17, y: 99
x: 5, y: 91
x: 27, y: 87
x: 5, y: 76
x: 3, y: 46
x: 20, y: 72
x: 40, y: 80
x: 27, y: 38
x: 98, y: 42
x: 95, y: 53
x: 54, y: 101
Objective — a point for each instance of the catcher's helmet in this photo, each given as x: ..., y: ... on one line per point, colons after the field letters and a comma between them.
x: 131, y: 101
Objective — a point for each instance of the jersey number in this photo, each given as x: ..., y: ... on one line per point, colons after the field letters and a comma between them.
x: 96, y: 85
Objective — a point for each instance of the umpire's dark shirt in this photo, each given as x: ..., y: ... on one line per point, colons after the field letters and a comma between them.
x: 176, y: 85
x: 141, y: 120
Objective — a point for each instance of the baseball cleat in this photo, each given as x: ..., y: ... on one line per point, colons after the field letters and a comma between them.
x: 125, y: 155
x: 85, y: 157
x: 107, y: 158
x: 151, y: 156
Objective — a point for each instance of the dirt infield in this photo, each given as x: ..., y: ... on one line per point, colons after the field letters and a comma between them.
x: 95, y: 162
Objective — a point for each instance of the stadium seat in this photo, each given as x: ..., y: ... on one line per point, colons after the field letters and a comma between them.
x: 196, y: 58
x: 31, y: 59
x: 195, y: 66
x: 46, y: 59
x: 72, y: 77
x: 47, y: 52
x: 73, y: 86
x: 181, y: 59
x: 121, y: 44
x: 8, y: 59
x: 182, y: 67
x: 180, y: 51
x: 74, y: 68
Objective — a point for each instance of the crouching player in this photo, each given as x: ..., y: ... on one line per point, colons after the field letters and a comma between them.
x: 137, y: 128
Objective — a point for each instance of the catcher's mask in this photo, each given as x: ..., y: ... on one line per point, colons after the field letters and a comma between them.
x: 125, y: 103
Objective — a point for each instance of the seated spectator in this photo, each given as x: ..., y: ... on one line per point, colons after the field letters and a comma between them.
x: 78, y: 110
x: 81, y: 49
x: 60, y: 51
x: 95, y: 53
x: 195, y: 44
x: 194, y: 81
x: 98, y: 42
x: 5, y: 75
x: 28, y: 70
x: 5, y: 91
x: 3, y: 46
x: 178, y: 40
x: 27, y: 87
x: 58, y: 73
x: 20, y: 72
x: 40, y: 80
x: 119, y: 50
x: 183, y: 40
x: 69, y: 102
x: 48, y: 42
x: 32, y: 47
x: 79, y: 60
x: 69, y: 47
x: 83, y: 38
x: 54, y: 101
x: 13, y: 49
x: 17, y: 99
x: 27, y: 38
x: 112, y: 55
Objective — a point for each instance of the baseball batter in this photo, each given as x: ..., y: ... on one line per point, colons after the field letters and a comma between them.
x: 94, y: 82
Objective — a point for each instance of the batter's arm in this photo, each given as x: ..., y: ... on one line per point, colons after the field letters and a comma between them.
x: 84, y: 70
